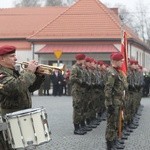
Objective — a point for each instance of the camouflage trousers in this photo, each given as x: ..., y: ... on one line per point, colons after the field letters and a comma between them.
x: 89, y: 107
x: 78, y: 106
x: 112, y: 125
x: 102, y: 107
x: 96, y: 99
x: 128, y: 108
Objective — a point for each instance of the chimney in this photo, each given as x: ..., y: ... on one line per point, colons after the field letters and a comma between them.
x: 115, y: 10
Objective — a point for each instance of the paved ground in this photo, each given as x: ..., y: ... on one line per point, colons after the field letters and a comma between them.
x: 59, y: 111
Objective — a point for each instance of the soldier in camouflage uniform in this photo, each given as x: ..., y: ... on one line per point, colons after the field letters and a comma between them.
x: 115, y: 86
x: 140, y: 83
x: 95, y: 101
x: 89, y: 106
x: 84, y: 106
x: 15, y: 93
x: 78, y: 93
x: 132, y: 94
x: 138, y: 95
x: 103, y: 72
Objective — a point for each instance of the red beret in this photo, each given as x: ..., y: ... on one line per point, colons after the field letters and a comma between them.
x: 133, y: 62
x: 93, y: 60
x: 101, y: 63
x: 116, y: 56
x: 80, y: 56
x: 88, y: 59
x: 7, y: 49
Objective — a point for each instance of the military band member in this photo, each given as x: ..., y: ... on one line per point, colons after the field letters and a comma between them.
x: 15, y: 93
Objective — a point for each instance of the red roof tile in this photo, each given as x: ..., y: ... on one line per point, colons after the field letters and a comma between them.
x: 22, y: 22
x: 72, y: 48
x: 21, y: 45
x: 85, y: 19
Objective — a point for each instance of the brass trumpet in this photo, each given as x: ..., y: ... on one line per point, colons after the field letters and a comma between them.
x: 42, y: 68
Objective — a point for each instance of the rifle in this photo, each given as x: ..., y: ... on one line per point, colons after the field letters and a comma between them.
x: 120, y: 123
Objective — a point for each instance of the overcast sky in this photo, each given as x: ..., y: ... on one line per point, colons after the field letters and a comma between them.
x: 130, y: 4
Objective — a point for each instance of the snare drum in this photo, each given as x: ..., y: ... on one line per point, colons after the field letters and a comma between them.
x: 27, y: 128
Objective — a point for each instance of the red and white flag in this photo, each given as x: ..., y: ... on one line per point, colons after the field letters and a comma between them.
x: 124, y: 51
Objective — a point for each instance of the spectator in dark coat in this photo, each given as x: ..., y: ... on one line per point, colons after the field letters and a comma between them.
x: 68, y: 84
x: 46, y: 84
x: 146, y: 85
x: 57, y: 80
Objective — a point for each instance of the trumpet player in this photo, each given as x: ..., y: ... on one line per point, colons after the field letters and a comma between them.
x: 16, y: 87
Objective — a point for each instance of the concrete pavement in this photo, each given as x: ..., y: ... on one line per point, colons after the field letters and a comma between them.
x: 59, y: 110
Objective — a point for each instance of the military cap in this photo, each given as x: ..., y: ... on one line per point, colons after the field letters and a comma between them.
x: 6, y: 49
x: 116, y: 56
x: 80, y: 56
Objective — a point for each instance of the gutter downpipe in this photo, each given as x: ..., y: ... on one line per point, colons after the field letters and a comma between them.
x: 33, y: 50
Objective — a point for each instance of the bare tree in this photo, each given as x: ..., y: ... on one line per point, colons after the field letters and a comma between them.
x: 142, y: 22
x: 53, y: 3
x: 125, y: 16
x: 27, y: 3
x: 138, y: 20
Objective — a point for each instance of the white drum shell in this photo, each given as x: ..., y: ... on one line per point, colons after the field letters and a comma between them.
x: 27, y: 128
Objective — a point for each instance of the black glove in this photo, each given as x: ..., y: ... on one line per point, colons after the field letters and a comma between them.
x: 110, y: 109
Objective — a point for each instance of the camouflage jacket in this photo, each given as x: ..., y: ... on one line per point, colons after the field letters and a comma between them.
x: 76, y: 77
x: 115, y: 87
x: 16, y: 87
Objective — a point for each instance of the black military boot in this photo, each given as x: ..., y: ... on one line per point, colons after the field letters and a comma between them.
x: 132, y: 126
x: 84, y: 127
x: 99, y: 117
x: 118, y: 145
x: 129, y: 129
x: 109, y: 145
x: 121, y: 141
x: 104, y: 116
x: 125, y: 132
x: 89, y: 123
x: 124, y: 137
x: 95, y: 121
x: 77, y: 130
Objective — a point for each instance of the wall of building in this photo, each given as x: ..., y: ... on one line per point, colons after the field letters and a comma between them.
x: 139, y: 54
x: 69, y: 58
x: 23, y: 55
